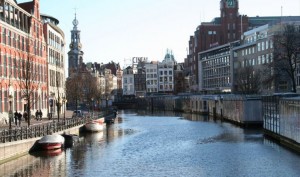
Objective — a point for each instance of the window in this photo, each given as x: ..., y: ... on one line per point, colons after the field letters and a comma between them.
x: 9, y: 38
x: 263, y: 59
x: 271, y: 44
x: 267, y: 58
x: 258, y: 47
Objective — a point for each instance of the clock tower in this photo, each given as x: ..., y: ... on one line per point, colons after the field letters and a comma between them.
x: 230, y: 20
x: 75, y: 54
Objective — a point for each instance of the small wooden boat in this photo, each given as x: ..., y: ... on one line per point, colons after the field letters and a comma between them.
x: 50, y: 142
x: 95, y: 125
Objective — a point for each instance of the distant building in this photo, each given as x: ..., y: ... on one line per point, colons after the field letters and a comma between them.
x: 227, y: 28
x: 179, y: 80
x: 151, y: 77
x: 166, y: 73
x: 75, y: 55
x: 215, y: 69
x: 140, y: 80
x: 128, y: 81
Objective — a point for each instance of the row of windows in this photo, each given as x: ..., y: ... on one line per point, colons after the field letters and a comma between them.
x: 212, y: 32
x: 14, y: 67
x: 261, y: 46
x: 18, y: 102
x: 127, y: 80
x: 56, y: 58
x: 13, y: 39
x: 165, y: 79
x: 264, y: 45
x: 217, y: 82
x: 151, y: 76
x: 166, y: 72
x: 55, y: 41
x: 263, y: 59
x: 222, y: 61
x: 216, y: 72
x: 13, y: 16
x: 19, y: 42
x: 151, y: 70
x: 166, y: 87
x: 151, y: 82
x: 56, y: 78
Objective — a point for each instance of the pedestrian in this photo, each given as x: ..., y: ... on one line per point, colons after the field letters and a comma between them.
x: 20, y: 118
x: 37, y: 115
x: 25, y: 116
x: 16, y: 117
x: 41, y: 115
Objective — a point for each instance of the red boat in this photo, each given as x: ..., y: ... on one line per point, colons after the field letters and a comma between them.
x: 50, y: 142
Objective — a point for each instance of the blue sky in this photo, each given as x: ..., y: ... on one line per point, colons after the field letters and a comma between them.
x: 121, y: 29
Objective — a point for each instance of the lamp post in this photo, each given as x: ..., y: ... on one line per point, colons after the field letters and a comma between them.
x: 10, y: 99
x: 92, y: 107
x: 10, y: 115
x: 64, y: 101
x: 58, y: 104
x: 106, y: 104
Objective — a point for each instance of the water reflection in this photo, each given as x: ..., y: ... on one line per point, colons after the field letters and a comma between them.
x: 175, y: 145
x: 39, y: 164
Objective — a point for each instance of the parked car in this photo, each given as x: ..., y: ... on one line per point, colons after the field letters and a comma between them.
x: 77, y: 113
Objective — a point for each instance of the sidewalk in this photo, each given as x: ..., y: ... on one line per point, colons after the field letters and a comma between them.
x: 44, y: 120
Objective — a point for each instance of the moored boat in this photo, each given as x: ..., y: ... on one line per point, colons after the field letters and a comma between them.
x: 95, y: 125
x: 50, y: 142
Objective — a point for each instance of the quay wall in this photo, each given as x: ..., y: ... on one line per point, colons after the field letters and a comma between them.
x: 243, y: 110
x: 290, y: 118
x: 278, y: 114
x: 16, y: 149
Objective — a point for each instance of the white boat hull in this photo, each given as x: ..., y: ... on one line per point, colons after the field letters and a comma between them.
x: 50, y: 142
x: 95, y: 125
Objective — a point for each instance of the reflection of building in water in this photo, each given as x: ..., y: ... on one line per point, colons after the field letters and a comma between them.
x: 272, y: 144
x: 30, y: 165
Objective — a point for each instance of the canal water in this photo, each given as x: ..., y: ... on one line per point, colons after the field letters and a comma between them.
x: 163, y: 145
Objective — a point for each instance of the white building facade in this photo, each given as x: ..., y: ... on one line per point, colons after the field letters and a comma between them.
x: 151, y: 77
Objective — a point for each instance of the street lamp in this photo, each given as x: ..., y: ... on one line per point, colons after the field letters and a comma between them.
x: 106, y: 104
x: 10, y: 99
x: 64, y: 100
x: 58, y: 104
x: 92, y: 107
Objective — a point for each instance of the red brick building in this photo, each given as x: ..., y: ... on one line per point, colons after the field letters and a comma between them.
x: 221, y: 30
x: 21, y: 40
x: 226, y: 28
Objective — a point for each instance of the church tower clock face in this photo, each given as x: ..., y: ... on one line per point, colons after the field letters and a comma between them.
x: 230, y: 3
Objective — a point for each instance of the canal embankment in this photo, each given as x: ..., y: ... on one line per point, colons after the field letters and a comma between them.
x: 278, y: 114
x: 19, y: 141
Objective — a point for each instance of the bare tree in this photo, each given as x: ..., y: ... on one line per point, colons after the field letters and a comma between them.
x: 73, y: 89
x: 286, y: 49
x: 81, y: 87
x: 248, y: 80
x: 28, y: 82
